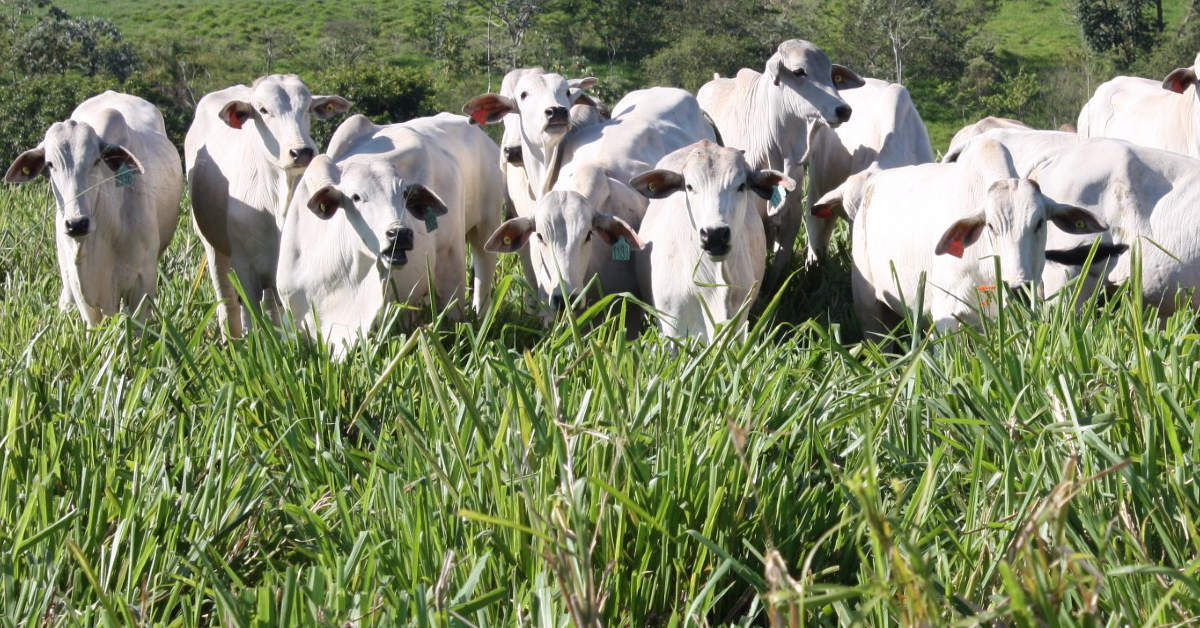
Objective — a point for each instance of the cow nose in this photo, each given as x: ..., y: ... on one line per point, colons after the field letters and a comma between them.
x: 557, y: 302
x: 401, y: 238
x: 556, y: 115
x: 302, y: 156
x: 77, y: 227
x: 843, y: 113
x: 512, y: 155
x: 715, y: 239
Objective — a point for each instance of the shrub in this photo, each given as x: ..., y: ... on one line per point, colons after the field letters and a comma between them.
x: 28, y: 107
x: 385, y: 94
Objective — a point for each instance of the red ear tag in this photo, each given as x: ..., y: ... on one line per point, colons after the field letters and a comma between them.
x: 956, y: 248
x: 235, y: 119
x: 823, y: 211
x: 480, y: 116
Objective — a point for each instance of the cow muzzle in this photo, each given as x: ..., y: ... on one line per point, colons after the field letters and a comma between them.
x: 301, y: 157
x: 843, y: 114
x: 77, y: 227
x: 716, y: 241
x: 513, y: 155
x: 557, y: 119
x: 400, y: 242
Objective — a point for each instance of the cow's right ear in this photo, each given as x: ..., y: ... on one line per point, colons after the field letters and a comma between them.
x: 775, y: 68
x: 27, y: 166
x: 421, y: 202
x: 236, y: 112
x: 845, y: 78
x: 511, y: 236
x: 960, y: 235
x: 489, y: 108
x: 325, y: 202
x: 575, y: 93
x: 657, y: 183
x: 1179, y: 80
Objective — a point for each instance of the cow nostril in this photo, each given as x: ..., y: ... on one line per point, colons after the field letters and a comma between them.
x: 301, y: 156
x: 714, y: 235
x: 843, y: 113
x: 401, y: 237
x: 512, y: 154
x: 78, y: 226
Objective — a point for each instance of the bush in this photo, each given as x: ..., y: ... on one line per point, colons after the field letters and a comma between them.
x: 28, y: 107
x: 385, y: 94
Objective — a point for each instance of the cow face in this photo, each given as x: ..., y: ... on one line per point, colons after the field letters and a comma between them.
x: 280, y: 110
x: 717, y: 185
x: 810, y: 83
x: 1013, y: 219
x: 81, y: 165
x: 563, y: 235
x: 542, y: 103
x: 387, y: 214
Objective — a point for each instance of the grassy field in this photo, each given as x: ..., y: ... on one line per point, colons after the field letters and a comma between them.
x: 1038, y: 472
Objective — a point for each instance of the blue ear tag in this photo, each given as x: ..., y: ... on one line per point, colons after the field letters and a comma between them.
x: 777, y: 196
x: 620, y: 250
x: 430, y: 220
x: 124, y: 175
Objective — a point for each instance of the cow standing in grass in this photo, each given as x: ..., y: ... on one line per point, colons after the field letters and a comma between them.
x: 1158, y: 114
x: 117, y: 183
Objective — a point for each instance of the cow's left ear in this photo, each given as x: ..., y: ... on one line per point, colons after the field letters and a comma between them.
x: 326, y: 107
x: 27, y: 166
x: 657, y: 183
x: 325, y: 202
x: 763, y: 182
x: 960, y: 235
x: 610, y: 229
x: 1179, y: 80
x: 845, y: 78
x: 1075, y: 220
x: 115, y: 155
x: 421, y: 202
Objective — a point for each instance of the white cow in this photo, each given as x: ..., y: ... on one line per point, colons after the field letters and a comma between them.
x: 117, y: 183
x: 951, y: 222
x: 244, y: 151
x: 1150, y: 113
x: 385, y: 210
x: 769, y: 114
x: 990, y: 123
x: 705, y: 250
x: 885, y: 132
x: 1146, y: 195
x: 592, y: 196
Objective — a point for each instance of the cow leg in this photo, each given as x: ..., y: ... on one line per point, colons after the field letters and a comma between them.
x: 228, y: 310
x: 450, y: 281
x: 820, y: 234
x: 483, y: 264
x: 252, y: 287
x: 873, y: 315
x: 788, y: 230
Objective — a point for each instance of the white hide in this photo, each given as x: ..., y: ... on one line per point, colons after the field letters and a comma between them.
x: 115, y: 264
x: 336, y: 271
x: 703, y: 186
x: 1158, y: 114
x: 244, y: 151
x: 885, y: 132
x: 769, y: 115
x: 976, y: 129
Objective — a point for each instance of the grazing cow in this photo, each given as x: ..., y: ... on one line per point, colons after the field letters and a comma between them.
x: 885, y: 132
x: 1146, y: 195
x: 388, y: 208
x: 117, y: 183
x: 592, y: 196
x: 769, y: 114
x: 1162, y: 115
x: 983, y: 126
x: 705, y: 250
x: 951, y: 222
x: 244, y: 151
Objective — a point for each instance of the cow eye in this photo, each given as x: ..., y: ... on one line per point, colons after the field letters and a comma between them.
x: 799, y: 72
x: 1041, y: 223
x: 356, y: 198
x: 539, y: 237
x: 588, y: 237
x: 742, y: 188
x: 262, y: 110
x: 49, y: 166
x: 523, y: 95
x: 689, y: 187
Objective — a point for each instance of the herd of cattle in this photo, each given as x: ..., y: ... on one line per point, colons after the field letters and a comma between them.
x: 680, y: 200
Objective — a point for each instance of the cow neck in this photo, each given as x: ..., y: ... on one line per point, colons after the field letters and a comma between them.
x: 540, y: 171
x: 767, y: 148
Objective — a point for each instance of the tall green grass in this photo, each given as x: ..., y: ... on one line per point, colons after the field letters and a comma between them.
x: 1035, y: 472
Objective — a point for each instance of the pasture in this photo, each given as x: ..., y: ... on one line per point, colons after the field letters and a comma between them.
x: 493, y: 472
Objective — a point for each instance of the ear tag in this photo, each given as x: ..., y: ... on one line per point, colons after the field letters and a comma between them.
x: 1081, y: 225
x: 620, y: 250
x: 25, y: 171
x: 652, y: 187
x: 837, y: 78
x: 777, y: 196
x: 956, y: 249
x: 479, y: 116
x: 507, y: 241
x: 430, y: 220
x: 823, y: 211
x: 329, y: 107
x: 124, y: 175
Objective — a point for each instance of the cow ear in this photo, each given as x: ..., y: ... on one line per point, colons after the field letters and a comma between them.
x: 1179, y: 80
x: 325, y: 202
x: 489, y: 108
x: 326, y: 107
x: 236, y: 112
x: 763, y: 182
x: 775, y: 68
x: 610, y: 229
x: 960, y: 235
x: 583, y: 83
x: 827, y: 205
x: 657, y: 183
x: 1075, y: 220
x: 845, y: 78
x: 27, y: 166
x: 115, y: 155
x: 422, y: 202
x: 511, y: 236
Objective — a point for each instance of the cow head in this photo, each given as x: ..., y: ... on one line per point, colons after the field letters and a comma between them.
x: 541, y: 102
x: 81, y: 165
x: 810, y: 82
x: 717, y: 184
x: 388, y: 215
x: 564, y: 232
x: 1013, y: 219
x: 280, y: 109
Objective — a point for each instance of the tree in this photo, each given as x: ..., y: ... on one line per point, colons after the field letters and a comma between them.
x: 345, y: 42
x: 517, y: 17
x: 91, y: 45
x: 1120, y: 27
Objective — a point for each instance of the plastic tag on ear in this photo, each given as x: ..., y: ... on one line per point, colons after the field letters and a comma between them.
x: 620, y: 250
x: 124, y: 175
x: 430, y: 220
x: 777, y: 196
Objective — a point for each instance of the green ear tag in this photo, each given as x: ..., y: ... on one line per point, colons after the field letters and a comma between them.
x: 124, y: 175
x: 430, y: 220
x: 620, y: 250
x: 777, y: 196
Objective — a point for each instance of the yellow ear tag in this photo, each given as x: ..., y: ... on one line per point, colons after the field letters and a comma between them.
x: 329, y: 107
x: 1081, y: 224
x: 652, y: 187
x: 507, y: 240
x: 25, y: 171
x: 837, y: 78
x: 323, y: 210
